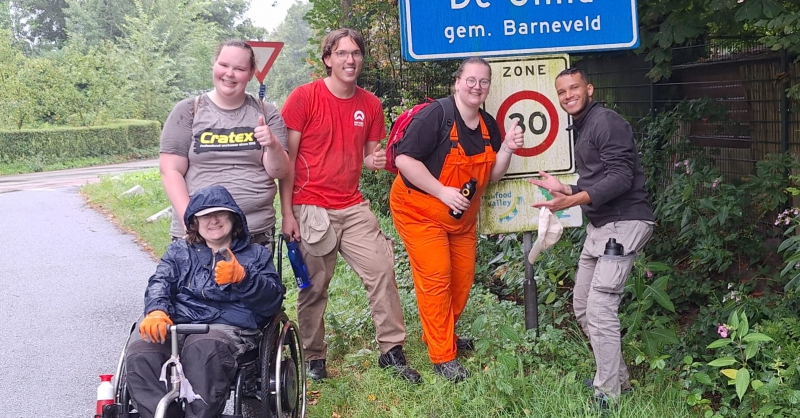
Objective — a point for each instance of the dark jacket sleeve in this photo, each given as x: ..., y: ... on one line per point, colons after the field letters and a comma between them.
x: 614, y: 140
x: 162, y: 284
x: 261, y: 290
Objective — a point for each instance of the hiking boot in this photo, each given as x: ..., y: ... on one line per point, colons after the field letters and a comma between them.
x: 600, y: 403
x: 589, y: 383
x: 466, y: 344
x: 395, y: 359
x: 317, y: 370
x: 452, y: 370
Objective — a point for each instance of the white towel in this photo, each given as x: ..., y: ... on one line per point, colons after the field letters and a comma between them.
x: 550, y: 231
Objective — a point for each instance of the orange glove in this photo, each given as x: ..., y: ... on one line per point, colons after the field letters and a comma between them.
x: 229, y: 271
x: 154, y: 326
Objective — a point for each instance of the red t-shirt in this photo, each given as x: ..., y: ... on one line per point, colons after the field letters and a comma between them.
x: 333, y: 133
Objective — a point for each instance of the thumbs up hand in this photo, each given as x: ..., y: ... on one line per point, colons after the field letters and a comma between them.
x: 379, y: 157
x: 264, y: 135
x: 514, y: 139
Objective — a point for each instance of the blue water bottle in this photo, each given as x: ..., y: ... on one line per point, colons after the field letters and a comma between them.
x: 298, y: 266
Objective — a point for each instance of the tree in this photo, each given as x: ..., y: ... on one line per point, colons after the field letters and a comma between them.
x: 666, y: 24
x: 15, y: 108
x: 231, y: 14
x: 151, y: 71
x: 41, y: 23
x: 96, y: 21
x: 291, y: 68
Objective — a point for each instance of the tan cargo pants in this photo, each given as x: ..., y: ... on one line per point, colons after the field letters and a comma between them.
x: 371, y: 255
x: 599, y: 284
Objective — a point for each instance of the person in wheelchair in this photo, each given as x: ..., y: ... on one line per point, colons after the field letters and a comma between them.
x: 195, y: 284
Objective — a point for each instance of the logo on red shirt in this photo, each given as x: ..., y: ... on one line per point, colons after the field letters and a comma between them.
x: 358, y: 118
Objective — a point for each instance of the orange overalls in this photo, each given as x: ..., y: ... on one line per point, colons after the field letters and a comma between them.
x: 442, y: 249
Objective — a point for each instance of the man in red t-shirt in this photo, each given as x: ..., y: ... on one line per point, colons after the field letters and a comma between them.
x: 334, y: 127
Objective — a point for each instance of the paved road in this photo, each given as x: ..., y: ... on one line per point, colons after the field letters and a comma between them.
x: 71, y: 286
x: 63, y: 178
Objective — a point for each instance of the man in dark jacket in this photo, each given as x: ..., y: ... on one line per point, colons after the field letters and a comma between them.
x: 612, y: 195
x: 195, y: 284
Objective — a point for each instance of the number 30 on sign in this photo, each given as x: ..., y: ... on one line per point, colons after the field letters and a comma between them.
x: 524, y: 91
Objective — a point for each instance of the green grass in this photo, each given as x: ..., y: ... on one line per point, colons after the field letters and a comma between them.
x: 514, y: 374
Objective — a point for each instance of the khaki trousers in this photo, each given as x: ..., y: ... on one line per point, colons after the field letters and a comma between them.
x: 599, y: 284
x: 371, y: 255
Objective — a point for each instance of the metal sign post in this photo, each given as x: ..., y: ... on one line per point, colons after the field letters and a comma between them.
x: 529, y: 290
x: 523, y: 90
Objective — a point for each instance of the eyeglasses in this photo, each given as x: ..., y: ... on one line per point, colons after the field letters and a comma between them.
x: 472, y: 82
x: 342, y: 55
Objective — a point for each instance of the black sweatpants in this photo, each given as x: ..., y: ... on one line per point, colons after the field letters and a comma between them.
x: 209, y: 363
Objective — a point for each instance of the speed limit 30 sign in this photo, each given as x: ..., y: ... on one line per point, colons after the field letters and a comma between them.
x: 524, y: 91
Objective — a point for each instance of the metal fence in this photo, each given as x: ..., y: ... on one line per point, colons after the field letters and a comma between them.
x: 415, y: 81
x: 746, y: 81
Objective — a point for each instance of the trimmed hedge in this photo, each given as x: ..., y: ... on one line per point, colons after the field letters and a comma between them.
x: 118, y: 138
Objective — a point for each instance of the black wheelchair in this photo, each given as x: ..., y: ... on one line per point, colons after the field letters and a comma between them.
x: 271, y: 379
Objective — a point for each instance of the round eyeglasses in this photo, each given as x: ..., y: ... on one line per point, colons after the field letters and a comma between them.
x: 342, y: 55
x: 472, y: 82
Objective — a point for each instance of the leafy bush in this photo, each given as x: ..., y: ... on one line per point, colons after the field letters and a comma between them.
x: 120, y: 138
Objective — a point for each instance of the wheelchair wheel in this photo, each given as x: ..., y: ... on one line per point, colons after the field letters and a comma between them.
x: 283, y: 374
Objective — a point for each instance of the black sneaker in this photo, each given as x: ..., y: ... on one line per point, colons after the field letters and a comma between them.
x: 317, y: 370
x: 600, y: 403
x: 624, y: 391
x: 466, y: 344
x: 452, y: 370
x: 397, y: 360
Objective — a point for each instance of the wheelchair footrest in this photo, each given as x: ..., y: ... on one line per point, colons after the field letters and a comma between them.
x: 231, y: 416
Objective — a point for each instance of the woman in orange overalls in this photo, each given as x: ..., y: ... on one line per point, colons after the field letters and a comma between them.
x: 441, y: 249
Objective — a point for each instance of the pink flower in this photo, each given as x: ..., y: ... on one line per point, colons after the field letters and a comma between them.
x: 649, y: 274
x: 722, y: 331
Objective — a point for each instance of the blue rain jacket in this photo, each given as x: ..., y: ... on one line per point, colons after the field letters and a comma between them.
x: 183, y: 285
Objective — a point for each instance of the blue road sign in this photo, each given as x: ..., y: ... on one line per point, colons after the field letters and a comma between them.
x: 448, y: 29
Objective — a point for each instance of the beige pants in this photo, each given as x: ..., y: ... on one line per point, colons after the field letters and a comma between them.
x: 371, y: 255
x: 599, y: 284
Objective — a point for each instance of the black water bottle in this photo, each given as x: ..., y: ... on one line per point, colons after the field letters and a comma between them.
x: 467, y: 190
x: 613, y: 248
